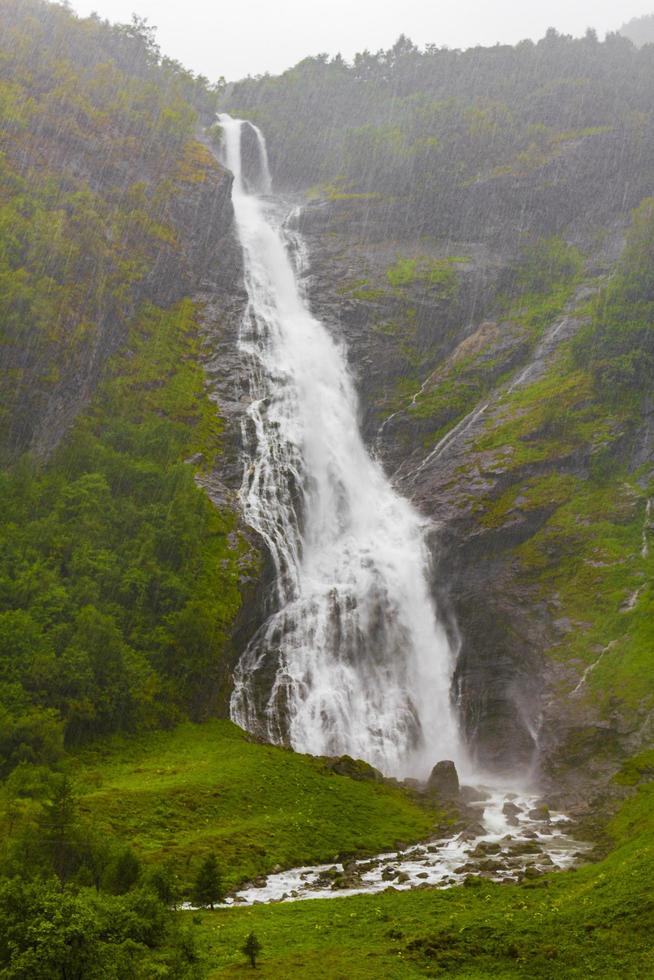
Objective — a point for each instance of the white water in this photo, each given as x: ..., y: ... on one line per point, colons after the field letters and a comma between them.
x: 352, y: 658
x: 517, y: 844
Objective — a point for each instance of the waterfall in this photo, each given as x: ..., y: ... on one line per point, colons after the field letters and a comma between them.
x: 352, y: 658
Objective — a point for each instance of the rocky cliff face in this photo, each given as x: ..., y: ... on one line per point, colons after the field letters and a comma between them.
x: 472, y: 467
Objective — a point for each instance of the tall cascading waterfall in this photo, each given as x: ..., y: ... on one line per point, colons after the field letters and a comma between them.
x: 353, y: 659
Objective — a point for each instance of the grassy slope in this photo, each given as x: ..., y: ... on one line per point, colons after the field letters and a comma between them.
x: 592, y: 922
x: 178, y: 795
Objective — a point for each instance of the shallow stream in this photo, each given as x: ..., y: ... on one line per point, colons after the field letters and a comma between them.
x: 507, y: 845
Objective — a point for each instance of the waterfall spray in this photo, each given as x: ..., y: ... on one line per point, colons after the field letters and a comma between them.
x: 353, y: 658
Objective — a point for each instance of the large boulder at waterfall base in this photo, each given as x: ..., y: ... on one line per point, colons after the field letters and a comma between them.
x: 444, y: 780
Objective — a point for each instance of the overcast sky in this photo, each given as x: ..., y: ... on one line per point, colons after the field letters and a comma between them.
x: 248, y: 37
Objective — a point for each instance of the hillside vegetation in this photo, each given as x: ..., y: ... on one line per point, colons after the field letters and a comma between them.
x: 96, y: 146
x: 592, y: 922
x: 119, y: 580
x: 541, y: 135
x: 486, y: 190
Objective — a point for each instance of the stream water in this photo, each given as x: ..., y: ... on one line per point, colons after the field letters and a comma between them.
x: 508, y: 845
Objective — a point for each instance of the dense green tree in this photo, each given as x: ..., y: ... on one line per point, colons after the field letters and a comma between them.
x: 118, y: 577
x: 552, y: 131
x: 208, y: 886
x: 49, y: 933
x: 251, y: 948
x: 163, y: 882
x: 619, y: 342
x: 124, y: 872
x: 58, y: 824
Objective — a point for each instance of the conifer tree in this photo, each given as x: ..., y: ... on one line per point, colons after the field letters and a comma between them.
x: 251, y: 948
x: 208, y: 888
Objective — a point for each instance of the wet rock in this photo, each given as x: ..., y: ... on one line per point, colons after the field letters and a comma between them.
x: 540, y: 812
x: 422, y: 874
x: 493, y: 866
x: 525, y: 847
x: 444, y: 780
x: 260, y: 882
x: 473, y: 794
x: 366, y: 866
x: 346, y: 881
x: 511, y: 810
x: 415, y: 784
x: 403, y: 877
x: 486, y: 847
x: 472, y: 831
x: 327, y: 877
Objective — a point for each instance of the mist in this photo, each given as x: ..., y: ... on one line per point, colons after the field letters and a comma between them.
x: 256, y: 37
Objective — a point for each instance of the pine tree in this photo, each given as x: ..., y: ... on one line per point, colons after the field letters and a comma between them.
x: 208, y: 888
x: 251, y: 948
x: 125, y: 872
x: 58, y: 826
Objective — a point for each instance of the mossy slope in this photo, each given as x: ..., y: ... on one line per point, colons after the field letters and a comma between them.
x: 202, y: 788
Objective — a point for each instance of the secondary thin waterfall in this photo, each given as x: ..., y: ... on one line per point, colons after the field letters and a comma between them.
x: 352, y: 658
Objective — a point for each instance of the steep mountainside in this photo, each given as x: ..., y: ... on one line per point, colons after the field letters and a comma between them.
x: 479, y: 234
x: 107, y: 202
x: 470, y: 249
x: 120, y: 582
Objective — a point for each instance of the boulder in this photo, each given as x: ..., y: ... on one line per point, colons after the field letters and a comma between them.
x: 486, y: 847
x: 473, y: 794
x: 541, y: 812
x: 444, y: 780
x: 510, y: 810
x: 471, y: 832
